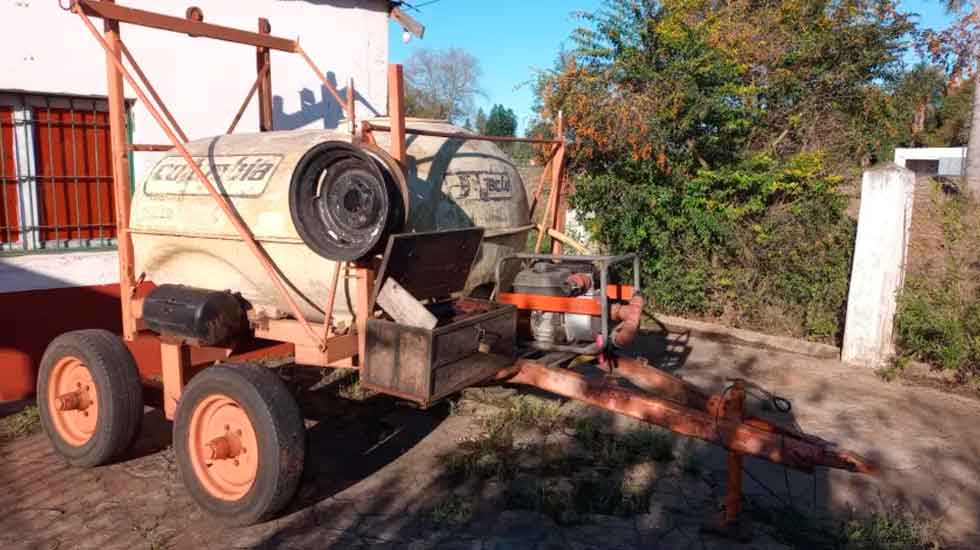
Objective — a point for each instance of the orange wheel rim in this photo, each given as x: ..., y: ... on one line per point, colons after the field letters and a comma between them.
x: 223, y: 447
x: 73, y: 401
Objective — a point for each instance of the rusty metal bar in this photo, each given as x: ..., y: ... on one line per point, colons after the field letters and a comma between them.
x: 153, y: 92
x: 7, y: 224
x: 559, y: 177
x: 550, y: 219
x: 248, y: 98
x: 74, y: 169
x: 229, y: 212
x: 396, y: 112
x: 98, y: 184
x: 544, y: 175
x: 639, y: 372
x: 718, y: 429
x: 464, y: 135
x: 52, y: 186
x: 263, y: 62
x: 323, y: 78
x: 112, y: 12
x: 149, y: 148
x: 112, y: 44
x: 351, y: 109
x: 734, y: 408
x: 328, y: 310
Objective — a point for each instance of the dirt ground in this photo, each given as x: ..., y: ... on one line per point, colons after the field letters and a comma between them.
x: 381, y: 475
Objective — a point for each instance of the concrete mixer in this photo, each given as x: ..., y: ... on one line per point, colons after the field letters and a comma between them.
x: 370, y: 249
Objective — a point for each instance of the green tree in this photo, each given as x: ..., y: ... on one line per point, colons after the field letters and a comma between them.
x: 481, y: 121
x: 501, y: 122
x: 710, y: 137
x: 959, y: 47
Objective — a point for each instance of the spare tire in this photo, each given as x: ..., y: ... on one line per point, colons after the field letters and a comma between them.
x: 343, y: 204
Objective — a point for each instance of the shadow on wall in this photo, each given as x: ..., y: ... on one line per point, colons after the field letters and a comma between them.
x: 313, y: 109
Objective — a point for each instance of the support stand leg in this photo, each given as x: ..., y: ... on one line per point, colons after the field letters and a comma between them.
x: 730, y: 522
x: 175, y: 359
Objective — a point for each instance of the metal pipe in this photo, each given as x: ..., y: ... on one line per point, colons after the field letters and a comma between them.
x: 233, y: 218
x: 639, y: 372
x: 149, y: 148
x: 629, y: 317
x: 111, y: 12
x: 463, y: 135
x: 112, y: 44
x: 331, y: 297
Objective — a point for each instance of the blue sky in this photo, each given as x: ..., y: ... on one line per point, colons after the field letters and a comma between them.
x: 514, y: 38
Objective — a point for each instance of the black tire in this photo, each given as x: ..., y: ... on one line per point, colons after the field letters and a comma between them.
x: 342, y: 202
x: 280, y: 432
x: 120, y: 395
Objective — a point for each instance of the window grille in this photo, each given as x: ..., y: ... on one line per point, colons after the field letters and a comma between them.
x: 55, y: 173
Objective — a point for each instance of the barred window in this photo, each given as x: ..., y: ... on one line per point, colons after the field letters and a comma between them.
x: 55, y: 173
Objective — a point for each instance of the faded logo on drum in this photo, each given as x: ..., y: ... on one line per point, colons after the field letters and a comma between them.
x: 478, y: 185
x: 233, y: 175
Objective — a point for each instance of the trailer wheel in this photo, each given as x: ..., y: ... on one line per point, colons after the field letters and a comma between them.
x: 89, y: 396
x: 240, y: 442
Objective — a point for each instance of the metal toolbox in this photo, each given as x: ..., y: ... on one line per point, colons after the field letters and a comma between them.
x: 473, y: 338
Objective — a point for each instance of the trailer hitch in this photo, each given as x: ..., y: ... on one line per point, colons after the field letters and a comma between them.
x: 681, y: 407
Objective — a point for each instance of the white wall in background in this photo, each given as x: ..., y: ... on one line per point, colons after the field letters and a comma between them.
x: 45, y: 49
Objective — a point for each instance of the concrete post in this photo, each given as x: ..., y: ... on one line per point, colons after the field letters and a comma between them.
x: 887, y: 193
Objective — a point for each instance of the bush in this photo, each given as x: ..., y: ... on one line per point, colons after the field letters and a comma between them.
x: 935, y: 325
x: 763, y: 244
x: 938, y: 315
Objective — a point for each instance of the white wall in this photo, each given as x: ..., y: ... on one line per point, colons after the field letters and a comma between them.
x: 47, y: 50
x: 67, y: 270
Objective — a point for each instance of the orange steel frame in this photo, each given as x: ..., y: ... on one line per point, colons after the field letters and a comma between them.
x: 678, y: 406
x: 315, y: 344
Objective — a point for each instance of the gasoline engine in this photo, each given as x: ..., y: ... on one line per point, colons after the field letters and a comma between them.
x: 561, y: 295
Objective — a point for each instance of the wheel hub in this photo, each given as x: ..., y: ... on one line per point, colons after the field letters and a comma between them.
x: 223, y: 447
x: 73, y: 401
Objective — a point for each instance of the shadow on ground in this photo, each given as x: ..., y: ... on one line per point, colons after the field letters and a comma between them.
x: 496, y: 469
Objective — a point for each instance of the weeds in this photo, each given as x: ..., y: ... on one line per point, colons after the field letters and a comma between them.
x: 938, y: 316
x: 894, y: 368
x: 891, y: 528
x: 635, y: 447
x: 21, y: 424
x: 565, y: 500
x: 455, y: 510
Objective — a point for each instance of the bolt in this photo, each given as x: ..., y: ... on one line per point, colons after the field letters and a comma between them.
x: 236, y: 462
x: 227, y: 427
x: 239, y: 432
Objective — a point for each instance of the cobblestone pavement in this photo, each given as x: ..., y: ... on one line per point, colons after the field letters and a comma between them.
x: 376, y: 471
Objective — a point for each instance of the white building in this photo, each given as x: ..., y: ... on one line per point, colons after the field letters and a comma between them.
x: 58, y: 270
x: 933, y: 161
